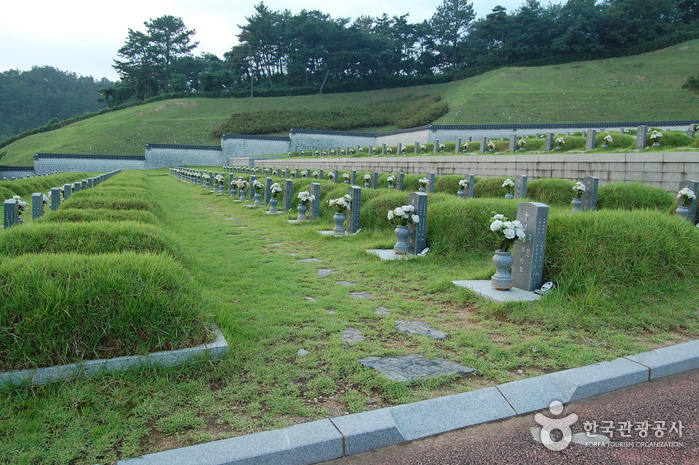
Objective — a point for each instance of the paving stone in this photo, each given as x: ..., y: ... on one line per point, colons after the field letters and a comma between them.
x: 311, y: 299
x: 323, y: 272
x: 302, y: 352
x: 382, y: 311
x: 308, y: 260
x: 361, y: 295
x: 412, y: 367
x: 276, y: 243
x: 352, y: 336
x: 421, y: 328
x: 229, y: 219
x: 332, y: 312
x: 346, y: 283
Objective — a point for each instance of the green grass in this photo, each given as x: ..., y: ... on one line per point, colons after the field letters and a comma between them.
x: 648, y: 86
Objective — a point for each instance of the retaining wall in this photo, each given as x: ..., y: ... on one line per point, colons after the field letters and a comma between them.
x: 658, y: 169
x: 169, y: 155
x: 48, y: 163
x: 237, y: 145
x: 9, y: 172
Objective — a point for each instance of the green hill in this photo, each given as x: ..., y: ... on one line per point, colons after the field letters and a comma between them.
x: 642, y: 87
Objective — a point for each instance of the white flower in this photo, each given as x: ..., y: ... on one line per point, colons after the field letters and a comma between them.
x: 608, y: 139
x: 398, y: 211
x: 496, y: 225
x: 508, y: 183
x: 403, y: 215
x: 560, y: 141
x: 306, y: 197
x: 509, y: 232
x: 346, y: 175
x: 415, y: 218
x: 463, y: 183
x: 391, y: 179
x: 408, y: 208
x: 390, y: 215
x: 424, y: 181
x: 367, y: 177
x: 579, y: 187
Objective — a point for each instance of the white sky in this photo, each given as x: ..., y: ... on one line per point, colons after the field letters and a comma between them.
x: 83, y: 36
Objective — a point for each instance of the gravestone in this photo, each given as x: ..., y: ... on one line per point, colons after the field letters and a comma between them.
x: 513, y: 142
x: 315, y: 205
x: 308, y: 173
x: 589, y: 198
x: 694, y: 187
x: 67, y: 190
x: 401, y: 179
x: 590, y: 144
x: 383, y: 149
x: 692, y: 130
x: 268, y: 194
x: 417, y: 240
x: 11, y: 212
x: 471, y: 181
x: 90, y: 183
x: 353, y: 177
x: 484, y: 144
x: 55, y: 198
x: 521, y: 186
x: 528, y: 266
x: 296, y: 173
x: 641, y: 137
x: 548, y: 142
x: 355, y: 193
x: 435, y: 149
x: 337, y: 176
x: 375, y: 180
x: 320, y: 174
x: 37, y: 206
x: 430, y: 180
x: 417, y: 147
x: 400, y: 148
x: 288, y: 197
x: 76, y: 186
x: 458, y: 146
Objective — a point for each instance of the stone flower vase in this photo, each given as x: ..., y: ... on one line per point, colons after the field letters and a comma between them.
x: 367, y: 185
x: 682, y: 212
x: 273, y: 204
x: 577, y: 203
x: 301, y: 209
x: 242, y: 194
x: 339, y: 219
x: 460, y: 193
x: 390, y: 186
x: 402, y: 232
x: 421, y: 189
x: 257, y: 199
x: 509, y: 196
x: 502, y: 279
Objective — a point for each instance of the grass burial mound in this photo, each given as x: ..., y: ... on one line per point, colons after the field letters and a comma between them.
x: 95, y: 289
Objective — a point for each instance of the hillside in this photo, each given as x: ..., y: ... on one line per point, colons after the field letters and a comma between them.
x: 643, y: 87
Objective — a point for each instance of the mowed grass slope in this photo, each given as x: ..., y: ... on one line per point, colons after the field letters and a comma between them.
x: 643, y: 87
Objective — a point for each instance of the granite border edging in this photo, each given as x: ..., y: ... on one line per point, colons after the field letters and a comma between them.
x: 328, y: 439
x: 89, y: 368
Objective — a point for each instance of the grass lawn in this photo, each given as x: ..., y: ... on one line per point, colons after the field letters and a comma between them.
x: 269, y: 305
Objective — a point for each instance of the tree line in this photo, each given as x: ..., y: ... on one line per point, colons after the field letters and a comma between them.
x: 45, y: 95
x: 283, y: 53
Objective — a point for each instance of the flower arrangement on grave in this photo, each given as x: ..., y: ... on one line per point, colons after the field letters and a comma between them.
x: 608, y: 139
x: 345, y: 176
x: 242, y: 184
x: 220, y: 179
x: 391, y: 181
x: 341, y: 204
x: 257, y: 185
x: 491, y: 145
x: 424, y: 182
x: 655, y: 136
x: 442, y: 147
x: 367, y: 178
x: 342, y: 152
x: 304, y: 174
x: 465, y: 146
x: 305, y: 197
x: 325, y: 153
x: 360, y: 150
x: 579, y: 189
x: 404, y: 215
x: 463, y: 184
x: 507, y: 231
x: 331, y: 175
x: 509, y: 186
x: 423, y: 147
x: 315, y: 174
x: 206, y: 177
x: 560, y: 142
x: 686, y: 196
x: 351, y: 152
x: 44, y: 199
x: 274, y: 190
x: 521, y: 143
x: 274, y: 172
x: 403, y: 149
x: 389, y: 150
x: 22, y: 206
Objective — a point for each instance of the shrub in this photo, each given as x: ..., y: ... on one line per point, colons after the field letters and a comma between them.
x: 674, y: 139
x: 490, y: 187
x: 63, y: 308
x: 87, y: 199
x: 619, y: 140
x: 634, y: 196
x: 88, y: 238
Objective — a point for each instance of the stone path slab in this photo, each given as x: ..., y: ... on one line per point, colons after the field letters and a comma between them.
x: 352, y: 336
x: 361, y: 295
x: 412, y: 367
x: 382, y: 311
x: 324, y: 272
x: 420, y: 328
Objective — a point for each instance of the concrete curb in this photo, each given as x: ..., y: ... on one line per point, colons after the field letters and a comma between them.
x: 323, y: 440
x: 89, y: 368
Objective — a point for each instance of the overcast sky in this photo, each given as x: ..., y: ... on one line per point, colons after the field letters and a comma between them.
x: 83, y: 36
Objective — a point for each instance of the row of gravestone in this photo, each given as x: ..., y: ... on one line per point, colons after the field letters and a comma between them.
x: 57, y: 195
x: 483, y: 145
x: 528, y: 256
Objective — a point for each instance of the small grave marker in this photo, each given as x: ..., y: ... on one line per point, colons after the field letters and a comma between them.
x: 401, y: 179
x: 590, y: 143
x: 55, y: 198
x: 589, y: 198
x: 268, y: 194
x: 315, y: 205
x: 417, y: 240
x: 11, y: 212
x: 37, y: 206
x: 694, y: 187
x: 355, y: 193
x: 521, y: 186
x: 430, y: 187
x: 288, y: 197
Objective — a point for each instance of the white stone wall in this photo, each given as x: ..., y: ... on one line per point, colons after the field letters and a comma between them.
x: 236, y: 146
x: 85, y: 163
x: 664, y: 170
x: 168, y: 156
x: 324, y: 140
